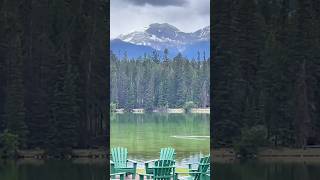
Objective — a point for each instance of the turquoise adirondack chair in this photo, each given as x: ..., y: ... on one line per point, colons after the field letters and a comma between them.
x: 121, y: 175
x: 162, y: 170
x: 165, y: 154
x: 201, y: 173
x: 119, y: 162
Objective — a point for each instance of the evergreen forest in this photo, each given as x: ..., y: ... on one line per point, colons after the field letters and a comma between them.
x: 266, y: 73
x: 151, y: 82
x: 53, y: 75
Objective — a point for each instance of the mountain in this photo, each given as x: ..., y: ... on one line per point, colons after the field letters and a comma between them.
x: 160, y: 36
x: 120, y: 47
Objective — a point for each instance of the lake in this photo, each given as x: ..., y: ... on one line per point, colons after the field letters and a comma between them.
x: 144, y: 135
x: 279, y: 169
x: 32, y: 169
x: 94, y: 169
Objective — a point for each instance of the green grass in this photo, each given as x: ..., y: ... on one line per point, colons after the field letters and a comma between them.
x: 178, y: 170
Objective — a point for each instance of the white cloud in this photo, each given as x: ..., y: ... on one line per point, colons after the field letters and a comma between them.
x: 189, y: 16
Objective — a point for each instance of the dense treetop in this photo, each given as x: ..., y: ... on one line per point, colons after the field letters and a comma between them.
x: 53, y: 80
x: 154, y: 83
x: 266, y: 71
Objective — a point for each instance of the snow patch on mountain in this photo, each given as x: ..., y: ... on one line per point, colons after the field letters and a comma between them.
x: 161, y: 36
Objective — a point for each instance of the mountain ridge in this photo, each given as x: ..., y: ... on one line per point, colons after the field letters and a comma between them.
x: 160, y: 36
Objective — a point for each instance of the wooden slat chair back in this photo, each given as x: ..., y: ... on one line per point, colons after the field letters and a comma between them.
x: 167, y: 153
x: 203, y: 167
x: 201, y: 173
x: 120, y: 161
x: 163, y: 170
x: 119, y: 157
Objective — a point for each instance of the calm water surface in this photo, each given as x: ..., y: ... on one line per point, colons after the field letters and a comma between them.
x: 77, y: 169
x: 145, y: 134
x: 88, y: 169
x: 262, y: 170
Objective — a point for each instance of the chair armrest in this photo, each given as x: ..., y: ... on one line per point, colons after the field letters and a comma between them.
x: 113, y: 174
x: 122, y: 174
x: 188, y: 173
x: 141, y: 176
x: 193, y: 163
x: 163, y: 167
x: 130, y: 160
x: 190, y: 165
x: 150, y: 161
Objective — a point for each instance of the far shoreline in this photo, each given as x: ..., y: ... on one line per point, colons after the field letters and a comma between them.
x: 268, y: 153
x: 168, y: 110
x: 217, y: 154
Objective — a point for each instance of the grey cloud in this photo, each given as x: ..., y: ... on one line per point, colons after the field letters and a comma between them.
x: 158, y: 2
x: 128, y: 17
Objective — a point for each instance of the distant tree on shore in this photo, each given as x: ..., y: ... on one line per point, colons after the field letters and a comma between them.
x: 152, y: 84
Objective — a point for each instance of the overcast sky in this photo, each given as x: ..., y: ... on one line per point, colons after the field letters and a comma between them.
x: 131, y: 15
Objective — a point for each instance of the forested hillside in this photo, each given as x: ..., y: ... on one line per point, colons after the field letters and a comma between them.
x: 266, y: 72
x: 53, y: 74
x: 154, y: 83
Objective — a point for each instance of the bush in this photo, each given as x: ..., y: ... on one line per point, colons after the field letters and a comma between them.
x: 113, y: 107
x: 251, y: 139
x: 9, y: 144
x: 188, y: 106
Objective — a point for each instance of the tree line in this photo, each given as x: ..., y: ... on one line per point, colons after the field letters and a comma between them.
x: 152, y: 83
x: 266, y: 73
x: 53, y: 74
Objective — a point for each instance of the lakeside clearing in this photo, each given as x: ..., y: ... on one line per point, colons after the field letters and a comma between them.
x: 169, y: 110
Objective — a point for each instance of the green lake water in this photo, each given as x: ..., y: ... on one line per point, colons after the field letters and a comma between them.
x: 90, y: 169
x: 264, y: 170
x: 31, y: 169
x: 144, y: 135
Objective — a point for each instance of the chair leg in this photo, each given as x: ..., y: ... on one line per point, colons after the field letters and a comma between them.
x: 121, y: 176
x: 141, y: 177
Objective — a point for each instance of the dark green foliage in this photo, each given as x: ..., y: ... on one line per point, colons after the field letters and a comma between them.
x: 53, y: 73
x: 14, y: 107
x: 9, y: 144
x: 266, y: 71
x: 188, y: 106
x: 251, y: 139
x: 152, y: 84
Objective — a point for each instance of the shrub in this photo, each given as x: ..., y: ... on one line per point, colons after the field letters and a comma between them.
x: 113, y: 107
x: 188, y: 106
x: 9, y: 144
x: 251, y: 139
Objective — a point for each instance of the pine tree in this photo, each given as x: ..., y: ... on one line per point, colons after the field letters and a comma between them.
x: 14, y: 106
